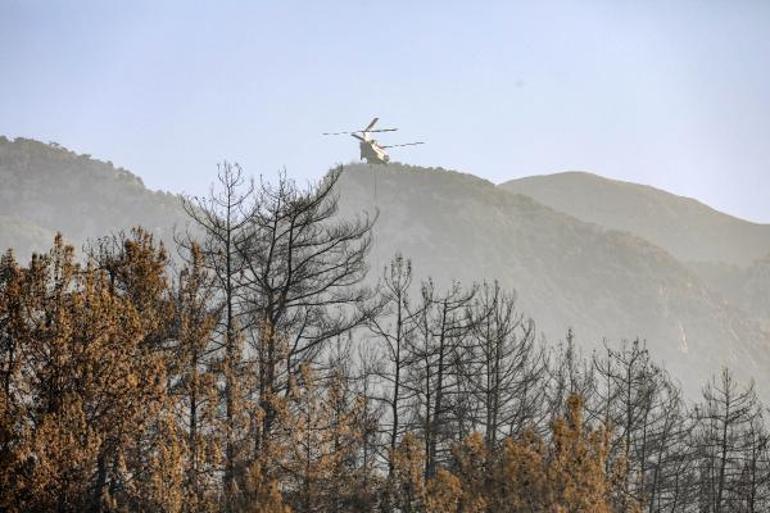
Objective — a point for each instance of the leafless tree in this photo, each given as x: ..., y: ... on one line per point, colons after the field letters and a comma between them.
x: 725, y: 418
x: 502, y: 365
x: 303, y: 267
x: 220, y: 223
x: 569, y: 372
x: 393, y: 328
x: 434, y: 372
x: 629, y: 403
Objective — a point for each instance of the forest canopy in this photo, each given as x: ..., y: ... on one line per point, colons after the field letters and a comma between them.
x: 260, y: 374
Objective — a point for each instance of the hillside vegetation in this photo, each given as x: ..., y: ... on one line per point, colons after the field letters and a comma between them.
x: 605, y: 284
x: 46, y: 188
x: 303, y: 356
x: 728, y: 254
x: 568, y: 272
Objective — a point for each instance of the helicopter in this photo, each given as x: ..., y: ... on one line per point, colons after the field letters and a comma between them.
x: 371, y: 150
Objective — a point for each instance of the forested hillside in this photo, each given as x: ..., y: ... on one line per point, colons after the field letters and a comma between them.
x: 729, y: 255
x: 262, y: 375
x: 48, y: 189
x: 604, y: 284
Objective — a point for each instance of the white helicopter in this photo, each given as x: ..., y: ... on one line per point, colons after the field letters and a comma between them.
x: 371, y: 150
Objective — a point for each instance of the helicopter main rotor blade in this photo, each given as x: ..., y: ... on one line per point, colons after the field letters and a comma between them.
x: 358, y: 137
x: 360, y: 131
x: 371, y: 125
x: 405, y: 144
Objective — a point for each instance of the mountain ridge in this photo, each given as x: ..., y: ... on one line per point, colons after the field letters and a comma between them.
x: 567, y: 272
x: 688, y: 228
x: 49, y: 189
x: 641, y: 186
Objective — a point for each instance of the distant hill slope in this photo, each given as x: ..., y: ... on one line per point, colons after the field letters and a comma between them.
x: 568, y: 273
x: 686, y: 228
x: 745, y: 287
x: 46, y: 188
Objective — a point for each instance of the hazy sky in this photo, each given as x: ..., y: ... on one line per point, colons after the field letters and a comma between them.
x: 675, y: 94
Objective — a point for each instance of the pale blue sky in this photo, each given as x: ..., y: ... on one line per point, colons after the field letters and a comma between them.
x: 674, y: 94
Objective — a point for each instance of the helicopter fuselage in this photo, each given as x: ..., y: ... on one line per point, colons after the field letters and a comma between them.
x: 373, y: 153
